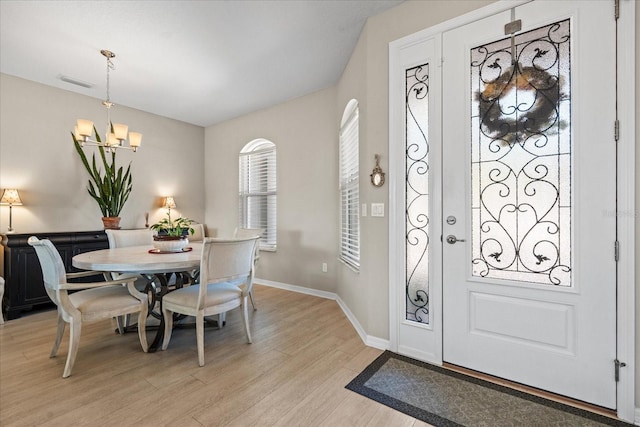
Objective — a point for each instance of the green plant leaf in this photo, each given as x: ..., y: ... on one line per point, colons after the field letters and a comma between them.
x: 109, y: 189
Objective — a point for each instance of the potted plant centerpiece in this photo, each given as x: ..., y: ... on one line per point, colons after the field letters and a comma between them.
x: 110, y: 186
x: 172, y: 235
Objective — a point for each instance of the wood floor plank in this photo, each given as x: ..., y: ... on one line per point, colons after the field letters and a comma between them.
x: 353, y: 410
x: 316, y: 406
x: 289, y: 393
x: 304, y: 352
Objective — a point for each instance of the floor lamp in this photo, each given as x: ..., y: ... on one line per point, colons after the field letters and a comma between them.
x: 10, y: 197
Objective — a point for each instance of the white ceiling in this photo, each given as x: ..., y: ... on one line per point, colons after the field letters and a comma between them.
x: 201, y: 62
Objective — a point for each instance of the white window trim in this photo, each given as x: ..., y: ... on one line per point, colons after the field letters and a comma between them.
x: 263, y: 148
x: 349, y: 187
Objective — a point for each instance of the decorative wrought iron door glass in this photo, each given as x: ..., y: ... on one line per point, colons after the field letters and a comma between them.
x: 521, y: 157
x: 417, y: 193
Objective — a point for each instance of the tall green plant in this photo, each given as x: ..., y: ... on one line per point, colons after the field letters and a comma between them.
x: 110, y: 187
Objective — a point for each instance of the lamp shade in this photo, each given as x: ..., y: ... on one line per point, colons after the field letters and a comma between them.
x: 120, y: 131
x: 85, y: 127
x: 135, y: 138
x: 10, y: 197
x: 169, y: 203
x: 112, y: 140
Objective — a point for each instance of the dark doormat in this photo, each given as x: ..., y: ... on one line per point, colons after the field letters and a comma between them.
x: 442, y: 397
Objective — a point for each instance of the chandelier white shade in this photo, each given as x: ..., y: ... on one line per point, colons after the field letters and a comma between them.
x: 116, y: 133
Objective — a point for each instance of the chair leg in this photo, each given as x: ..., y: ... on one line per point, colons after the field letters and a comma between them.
x: 200, y: 336
x: 168, y: 327
x: 142, y: 324
x: 59, y: 334
x: 75, y: 327
x: 252, y: 302
x: 121, y: 321
x: 245, y: 319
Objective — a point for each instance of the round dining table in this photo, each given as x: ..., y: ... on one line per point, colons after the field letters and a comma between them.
x: 139, y: 259
x: 147, y: 262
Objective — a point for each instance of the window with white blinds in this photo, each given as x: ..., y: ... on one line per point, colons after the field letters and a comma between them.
x: 258, y: 190
x: 349, y: 187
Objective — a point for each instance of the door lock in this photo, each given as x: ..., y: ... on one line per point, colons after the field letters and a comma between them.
x: 451, y: 239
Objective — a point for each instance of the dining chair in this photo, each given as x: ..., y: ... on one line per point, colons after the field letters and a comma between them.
x: 91, y: 301
x: 250, y: 232
x: 224, y: 262
x: 124, y: 238
x: 198, y: 233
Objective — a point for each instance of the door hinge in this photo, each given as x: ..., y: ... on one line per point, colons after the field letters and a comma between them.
x: 616, y: 130
x: 616, y: 250
x: 617, y: 9
x: 618, y: 364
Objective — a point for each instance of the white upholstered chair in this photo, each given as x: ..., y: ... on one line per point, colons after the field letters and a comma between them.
x: 124, y: 238
x: 251, y: 232
x: 224, y: 262
x: 198, y: 233
x: 91, y: 302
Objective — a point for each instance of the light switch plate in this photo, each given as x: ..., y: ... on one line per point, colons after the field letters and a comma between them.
x: 377, y: 209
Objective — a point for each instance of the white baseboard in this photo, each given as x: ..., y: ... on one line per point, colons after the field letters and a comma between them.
x: 295, y: 288
x: 371, y: 341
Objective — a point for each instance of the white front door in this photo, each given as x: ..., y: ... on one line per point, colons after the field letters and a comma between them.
x: 529, y: 198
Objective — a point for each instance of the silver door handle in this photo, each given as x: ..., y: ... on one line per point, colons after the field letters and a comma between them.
x: 451, y: 239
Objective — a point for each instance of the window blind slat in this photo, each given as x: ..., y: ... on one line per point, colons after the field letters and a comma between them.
x: 350, y: 191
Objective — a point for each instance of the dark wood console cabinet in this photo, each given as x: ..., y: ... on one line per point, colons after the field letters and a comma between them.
x: 24, y: 287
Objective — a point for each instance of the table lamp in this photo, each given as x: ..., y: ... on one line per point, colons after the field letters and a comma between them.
x: 169, y: 203
x: 10, y: 197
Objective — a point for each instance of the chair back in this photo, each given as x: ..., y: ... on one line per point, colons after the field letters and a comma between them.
x: 250, y: 232
x: 53, y: 271
x: 198, y: 233
x: 124, y: 238
x: 225, y: 260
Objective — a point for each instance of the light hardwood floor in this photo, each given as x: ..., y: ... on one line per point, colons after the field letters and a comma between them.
x: 304, y: 352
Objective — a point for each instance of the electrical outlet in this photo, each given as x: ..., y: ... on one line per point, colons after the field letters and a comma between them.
x: 324, y: 267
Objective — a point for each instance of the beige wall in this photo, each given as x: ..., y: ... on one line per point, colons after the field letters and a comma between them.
x: 38, y: 157
x: 304, y: 132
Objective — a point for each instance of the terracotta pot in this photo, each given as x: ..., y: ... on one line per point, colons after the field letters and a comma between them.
x: 111, y: 222
x: 170, y: 243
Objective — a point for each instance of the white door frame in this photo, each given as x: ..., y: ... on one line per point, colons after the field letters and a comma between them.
x: 626, y: 193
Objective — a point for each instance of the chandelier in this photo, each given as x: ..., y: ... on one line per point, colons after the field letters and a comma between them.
x: 116, y: 133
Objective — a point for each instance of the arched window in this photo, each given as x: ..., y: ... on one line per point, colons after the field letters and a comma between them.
x: 349, y: 187
x: 258, y: 189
